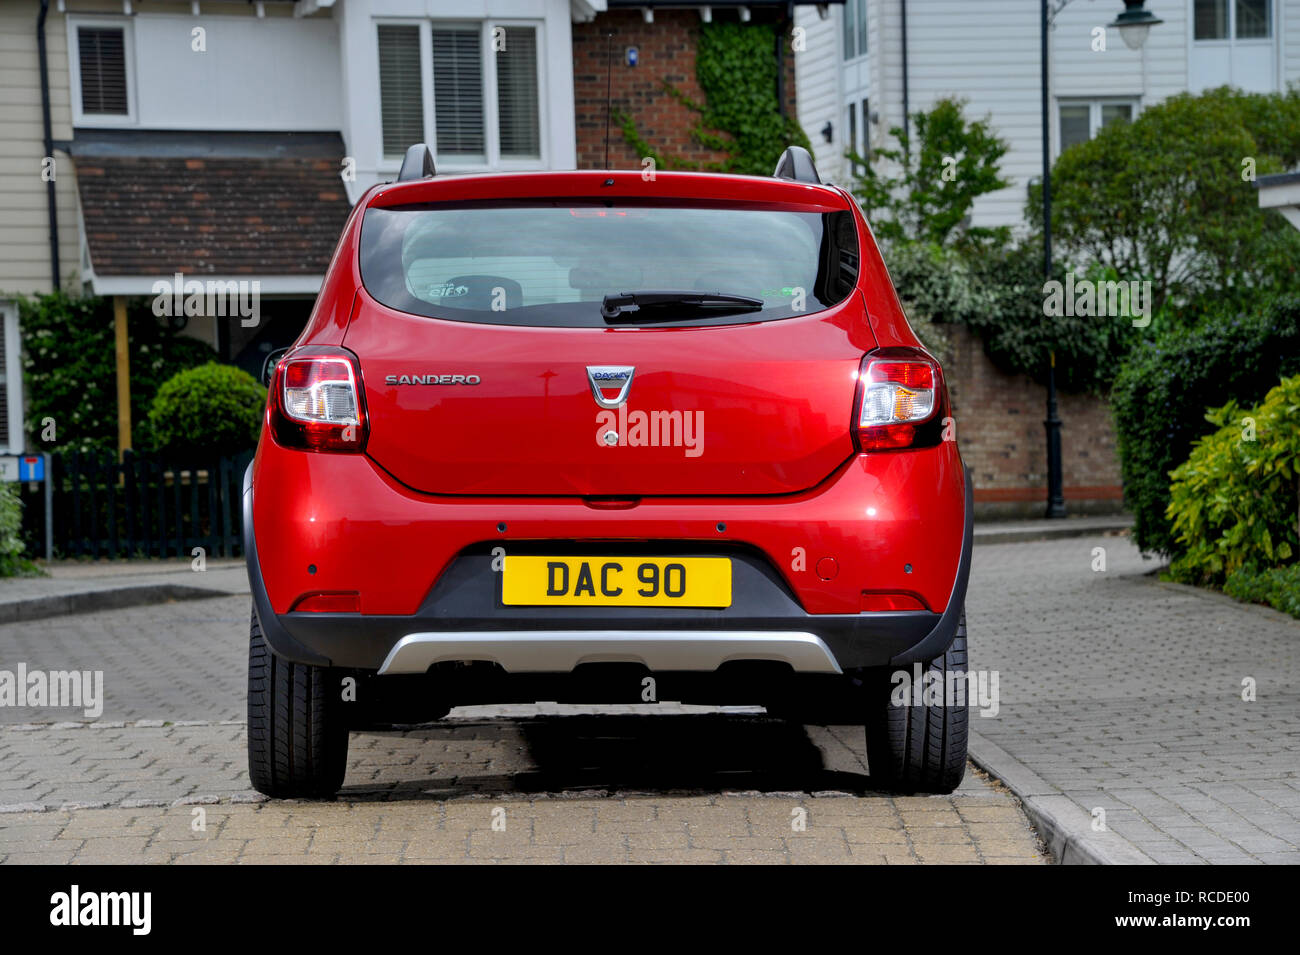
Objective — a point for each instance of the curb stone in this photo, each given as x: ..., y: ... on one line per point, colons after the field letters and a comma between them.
x: 1065, y: 828
x: 92, y: 601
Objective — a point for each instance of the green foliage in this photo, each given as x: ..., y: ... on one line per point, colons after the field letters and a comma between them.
x: 1234, y: 502
x: 1168, y: 197
x: 735, y: 64
x: 999, y: 295
x: 1279, y: 587
x: 211, y: 410
x: 12, y: 562
x: 1163, y: 389
x: 71, y: 372
x: 929, y: 200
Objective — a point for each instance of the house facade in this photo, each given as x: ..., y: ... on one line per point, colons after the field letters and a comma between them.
x: 219, y: 144
x: 867, y: 61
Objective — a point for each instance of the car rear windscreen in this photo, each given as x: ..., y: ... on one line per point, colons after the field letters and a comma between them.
x: 553, y: 262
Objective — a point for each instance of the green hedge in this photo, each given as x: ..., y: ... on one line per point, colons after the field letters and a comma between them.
x: 12, y: 562
x: 1279, y: 587
x: 999, y: 295
x: 70, y: 368
x: 1164, y: 388
x: 1234, y: 501
x: 210, y: 410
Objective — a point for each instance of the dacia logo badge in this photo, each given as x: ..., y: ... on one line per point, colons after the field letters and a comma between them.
x: 607, y: 378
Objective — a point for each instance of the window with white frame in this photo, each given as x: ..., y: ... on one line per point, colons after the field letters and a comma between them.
x: 11, y: 382
x: 859, y: 136
x: 1080, y: 120
x: 471, y: 90
x: 100, y: 66
x: 855, y: 29
x: 1232, y: 20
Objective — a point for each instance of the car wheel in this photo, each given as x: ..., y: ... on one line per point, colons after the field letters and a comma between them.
x: 918, y: 747
x: 297, y: 739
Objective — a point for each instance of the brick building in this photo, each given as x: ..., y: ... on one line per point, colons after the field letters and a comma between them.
x: 636, y: 54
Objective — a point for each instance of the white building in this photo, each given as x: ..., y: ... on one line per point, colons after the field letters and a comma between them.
x: 227, y: 139
x: 866, y: 58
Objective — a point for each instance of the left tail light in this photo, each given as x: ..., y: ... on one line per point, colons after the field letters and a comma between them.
x: 316, y: 402
x: 901, y: 400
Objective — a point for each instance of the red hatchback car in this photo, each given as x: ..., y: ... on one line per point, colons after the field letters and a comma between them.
x: 606, y: 437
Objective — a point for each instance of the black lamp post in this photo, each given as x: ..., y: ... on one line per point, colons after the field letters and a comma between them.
x: 1133, y: 24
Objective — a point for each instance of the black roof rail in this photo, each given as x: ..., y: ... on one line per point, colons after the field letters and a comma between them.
x: 796, y: 163
x: 418, y: 164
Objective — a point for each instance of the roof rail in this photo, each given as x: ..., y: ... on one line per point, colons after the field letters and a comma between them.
x: 418, y: 164
x: 795, y: 163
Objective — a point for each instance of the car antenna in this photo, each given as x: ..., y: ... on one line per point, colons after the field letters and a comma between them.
x: 609, y: 85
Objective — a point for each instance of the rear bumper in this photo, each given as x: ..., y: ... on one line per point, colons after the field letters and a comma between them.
x: 461, y: 618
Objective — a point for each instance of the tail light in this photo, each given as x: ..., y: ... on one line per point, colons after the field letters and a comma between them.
x: 315, y: 402
x: 901, y: 395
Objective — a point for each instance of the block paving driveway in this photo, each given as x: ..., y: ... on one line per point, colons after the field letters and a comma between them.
x: 1123, y: 693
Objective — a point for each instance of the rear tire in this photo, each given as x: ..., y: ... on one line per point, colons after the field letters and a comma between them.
x: 297, y: 739
x: 918, y: 747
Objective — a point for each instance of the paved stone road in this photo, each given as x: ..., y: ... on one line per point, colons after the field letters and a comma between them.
x: 687, y: 784
x: 1126, y: 694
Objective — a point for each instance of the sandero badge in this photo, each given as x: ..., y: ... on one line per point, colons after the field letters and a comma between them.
x: 450, y: 545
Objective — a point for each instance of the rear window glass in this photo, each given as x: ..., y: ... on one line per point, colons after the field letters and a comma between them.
x: 553, y: 262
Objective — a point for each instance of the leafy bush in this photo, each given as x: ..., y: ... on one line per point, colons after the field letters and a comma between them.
x: 210, y: 410
x: 12, y: 562
x: 1279, y: 587
x: 71, y: 372
x: 1163, y: 389
x: 999, y: 295
x: 1168, y: 197
x: 1234, y: 502
x: 930, y: 199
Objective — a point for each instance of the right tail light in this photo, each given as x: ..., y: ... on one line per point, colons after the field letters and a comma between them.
x: 901, y: 402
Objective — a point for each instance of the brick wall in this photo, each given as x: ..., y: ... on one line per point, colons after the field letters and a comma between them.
x: 666, y: 54
x: 1000, y: 430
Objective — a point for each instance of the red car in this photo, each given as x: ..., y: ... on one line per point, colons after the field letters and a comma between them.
x: 606, y: 437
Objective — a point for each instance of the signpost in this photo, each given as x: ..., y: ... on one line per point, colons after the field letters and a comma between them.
x: 33, y: 469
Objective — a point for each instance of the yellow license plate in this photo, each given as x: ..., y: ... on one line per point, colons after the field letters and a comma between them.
x: 616, y: 581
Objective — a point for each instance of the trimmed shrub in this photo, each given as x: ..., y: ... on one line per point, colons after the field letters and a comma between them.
x: 211, y: 410
x: 1235, y: 502
x: 1163, y: 389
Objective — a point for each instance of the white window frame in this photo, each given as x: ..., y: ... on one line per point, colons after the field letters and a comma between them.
x: 127, y: 26
x: 1094, y: 104
x: 493, y: 160
x: 857, y: 54
x: 1231, y: 38
x: 13, y: 376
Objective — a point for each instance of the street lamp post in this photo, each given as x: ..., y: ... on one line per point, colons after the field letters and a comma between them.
x: 1133, y: 24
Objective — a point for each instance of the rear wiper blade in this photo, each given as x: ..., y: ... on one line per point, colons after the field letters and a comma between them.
x: 613, y: 305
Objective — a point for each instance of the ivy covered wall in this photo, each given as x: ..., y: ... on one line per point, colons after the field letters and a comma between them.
x: 701, y: 95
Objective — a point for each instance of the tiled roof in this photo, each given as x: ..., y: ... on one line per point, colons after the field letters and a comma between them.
x: 214, y: 204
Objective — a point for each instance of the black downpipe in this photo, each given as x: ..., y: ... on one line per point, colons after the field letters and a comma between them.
x: 907, y: 108
x: 49, y: 144
x: 782, y: 27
